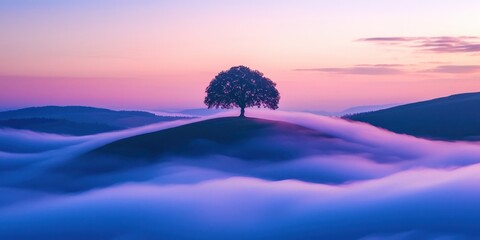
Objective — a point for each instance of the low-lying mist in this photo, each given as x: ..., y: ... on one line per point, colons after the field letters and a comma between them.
x: 352, y: 181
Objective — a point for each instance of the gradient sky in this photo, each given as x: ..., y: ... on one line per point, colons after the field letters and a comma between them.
x: 149, y: 54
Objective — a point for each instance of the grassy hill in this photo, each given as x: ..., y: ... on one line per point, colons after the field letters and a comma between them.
x: 77, y: 120
x: 221, y: 132
x: 455, y: 117
x: 245, y: 138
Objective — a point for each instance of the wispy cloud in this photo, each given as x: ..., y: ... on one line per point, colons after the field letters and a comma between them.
x: 361, y: 69
x: 395, y: 69
x: 456, y: 69
x: 445, y: 44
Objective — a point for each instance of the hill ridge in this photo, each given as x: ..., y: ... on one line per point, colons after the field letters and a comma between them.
x: 77, y: 120
x: 454, y: 117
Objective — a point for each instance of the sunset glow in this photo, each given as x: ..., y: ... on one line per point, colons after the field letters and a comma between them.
x: 324, y: 55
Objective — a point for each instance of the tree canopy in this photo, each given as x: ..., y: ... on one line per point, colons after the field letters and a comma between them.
x: 241, y: 87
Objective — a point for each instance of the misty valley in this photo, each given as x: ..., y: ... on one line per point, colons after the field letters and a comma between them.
x: 276, y: 175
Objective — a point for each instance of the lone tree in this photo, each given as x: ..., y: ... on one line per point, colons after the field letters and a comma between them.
x: 241, y: 87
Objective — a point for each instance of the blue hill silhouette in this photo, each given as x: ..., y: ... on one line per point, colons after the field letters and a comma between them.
x: 77, y: 120
x: 455, y: 117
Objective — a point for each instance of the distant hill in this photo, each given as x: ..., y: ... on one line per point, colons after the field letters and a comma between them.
x: 354, y: 110
x: 77, y: 120
x: 202, y: 111
x: 59, y: 126
x: 362, y: 109
x: 455, y: 117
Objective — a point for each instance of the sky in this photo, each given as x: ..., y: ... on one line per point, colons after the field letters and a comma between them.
x: 323, y: 55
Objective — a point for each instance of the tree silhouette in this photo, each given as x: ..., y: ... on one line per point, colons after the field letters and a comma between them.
x: 241, y: 87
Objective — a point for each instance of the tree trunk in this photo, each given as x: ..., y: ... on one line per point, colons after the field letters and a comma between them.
x: 242, y: 112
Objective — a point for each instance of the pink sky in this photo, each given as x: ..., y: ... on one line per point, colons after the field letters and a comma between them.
x: 325, y: 55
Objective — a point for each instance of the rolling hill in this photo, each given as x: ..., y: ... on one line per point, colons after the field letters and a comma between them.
x: 455, y: 117
x: 220, y: 132
x: 77, y: 120
x: 245, y: 138
x: 354, y: 110
x: 59, y: 126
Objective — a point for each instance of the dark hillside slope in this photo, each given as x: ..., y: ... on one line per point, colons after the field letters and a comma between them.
x: 205, y: 137
x: 77, y: 120
x: 57, y: 126
x: 249, y: 139
x: 455, y: 117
